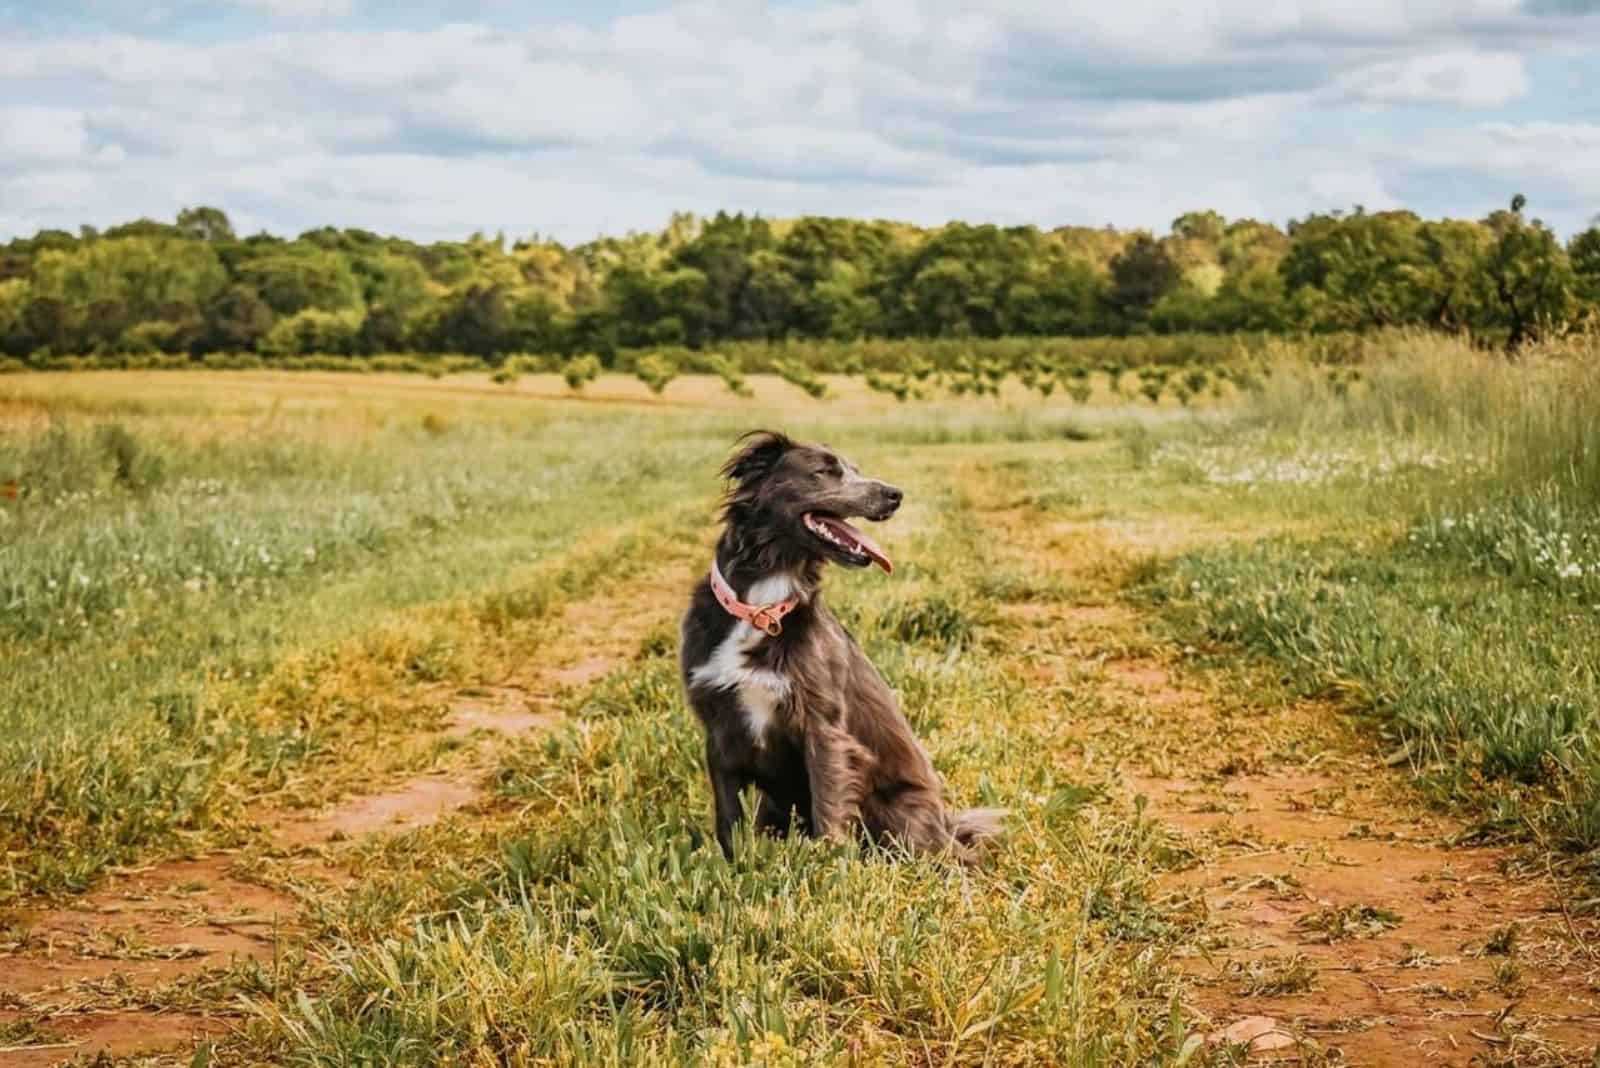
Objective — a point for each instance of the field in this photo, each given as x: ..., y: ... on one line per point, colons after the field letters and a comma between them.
x: 339, y: 724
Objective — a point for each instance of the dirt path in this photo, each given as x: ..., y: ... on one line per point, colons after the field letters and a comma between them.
x: 1333, y: 921
x: 1337, y: 917
x: 128, y: 969
x: 1325, y: 917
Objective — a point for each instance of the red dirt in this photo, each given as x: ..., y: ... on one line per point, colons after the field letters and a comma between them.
x: 415, y: 803
x: 117, y: 1034
x: 499, y: 709
x: 1281, y: 848
x: 581, y: 673
x: 179, y: 918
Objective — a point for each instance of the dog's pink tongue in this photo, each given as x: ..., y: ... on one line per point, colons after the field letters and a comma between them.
x: 871, y: 548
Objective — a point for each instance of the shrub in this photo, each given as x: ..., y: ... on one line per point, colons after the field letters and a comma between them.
x: 655, y: 371
x: 798, y: 374
x: 580, y: 371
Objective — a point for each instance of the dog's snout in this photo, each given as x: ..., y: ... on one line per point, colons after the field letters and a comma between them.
x: 892, y: 496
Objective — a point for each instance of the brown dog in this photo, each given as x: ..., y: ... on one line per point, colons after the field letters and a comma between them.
x: 788, y: 700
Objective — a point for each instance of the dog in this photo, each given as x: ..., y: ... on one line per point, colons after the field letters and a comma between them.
x: 788, y: 700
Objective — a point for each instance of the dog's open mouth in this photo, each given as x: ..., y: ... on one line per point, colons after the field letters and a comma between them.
x: 856, y: 549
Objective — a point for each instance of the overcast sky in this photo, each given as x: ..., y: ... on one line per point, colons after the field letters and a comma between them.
x: 572, y: 118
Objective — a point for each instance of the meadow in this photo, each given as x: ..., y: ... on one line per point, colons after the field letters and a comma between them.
x: 1266, y: 644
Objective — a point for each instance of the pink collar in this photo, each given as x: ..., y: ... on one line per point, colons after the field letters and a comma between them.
x: 765, y: 617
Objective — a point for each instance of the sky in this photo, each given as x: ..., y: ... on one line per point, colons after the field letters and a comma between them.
x: 574, y: 118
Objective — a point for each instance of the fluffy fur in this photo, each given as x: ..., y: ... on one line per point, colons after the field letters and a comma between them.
x: 804, y: 716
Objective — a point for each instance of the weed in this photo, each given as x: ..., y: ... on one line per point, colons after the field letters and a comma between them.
x: 1274, y: 976
x: 1337, y: 924
x: 1502, y: 941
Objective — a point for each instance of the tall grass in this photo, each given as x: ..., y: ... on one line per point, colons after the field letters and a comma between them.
x: 155, y: 585
x: 1471, y: 628
x: 1522, y: 426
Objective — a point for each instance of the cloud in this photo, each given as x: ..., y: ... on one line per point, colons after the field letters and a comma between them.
x: 297, y: 8
x: 1563, y: 7
x: 1467, y: 79
x: 1340, y: 187
x: 41, y: 135
x: 926, y: 109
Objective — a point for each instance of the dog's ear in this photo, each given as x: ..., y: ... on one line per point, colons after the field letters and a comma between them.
x: 759, y: 452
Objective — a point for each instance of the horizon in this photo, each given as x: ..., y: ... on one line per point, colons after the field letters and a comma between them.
x: 295, y: 114
x: 511, y: 240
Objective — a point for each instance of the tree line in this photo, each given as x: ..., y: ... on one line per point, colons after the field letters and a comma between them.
x: 195, y: 287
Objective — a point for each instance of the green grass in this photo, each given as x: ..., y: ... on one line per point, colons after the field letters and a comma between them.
x: 153, y: 586
x: 233, y: 590
x: 605, y: 905
x: 1461, y: 607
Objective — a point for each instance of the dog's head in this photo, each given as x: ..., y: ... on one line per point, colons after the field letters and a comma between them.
x: 796, y: 500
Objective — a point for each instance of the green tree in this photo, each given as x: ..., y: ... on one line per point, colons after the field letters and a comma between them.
x: 294, y: 278
x: 1141, y: 274
x: 1251, y: 299
x: 474, y: 321
x: 15, y: 294
x: 1369, y: 269
x: 1533, y: 282
x: 1584, y: 254
x: 1453, y: 283
x: 313, y: 331
x: 723, y: 253
x: 1202, y: 225
x: 236, y: 320
x: 205, y: 224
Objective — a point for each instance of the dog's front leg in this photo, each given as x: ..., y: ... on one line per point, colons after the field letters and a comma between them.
x: 725, y: 787
x: 836, y: 765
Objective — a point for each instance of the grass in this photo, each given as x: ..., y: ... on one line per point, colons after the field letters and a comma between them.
x: 1463, y: 608
x: 603, y: 901
x: 154, y: 587
x: 241, y: 590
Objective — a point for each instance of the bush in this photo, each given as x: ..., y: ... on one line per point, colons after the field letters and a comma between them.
x: 399, y: 363
x: 523, y: 363
x: 580, y: 371
x: 799, y: 374
x: 232, y: 361
x: 655, y: 371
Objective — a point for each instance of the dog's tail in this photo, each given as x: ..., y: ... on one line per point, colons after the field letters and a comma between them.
x: 975, y: 825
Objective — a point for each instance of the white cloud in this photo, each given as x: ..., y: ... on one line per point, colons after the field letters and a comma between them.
x: 297, y: 8
x: 925, y: 109
x: 1469, y: 79
x: 41, y: 134
x: 1342, y: 186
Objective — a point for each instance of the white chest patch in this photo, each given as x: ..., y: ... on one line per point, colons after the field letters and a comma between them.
x: 760, y: 691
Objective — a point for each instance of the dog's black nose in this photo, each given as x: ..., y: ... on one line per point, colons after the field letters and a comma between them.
x: 893, y: 495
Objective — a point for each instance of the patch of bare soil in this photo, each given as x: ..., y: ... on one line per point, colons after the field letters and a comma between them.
x: 1336, y: 912
x: 1336, y: 922
x: 508, y: 710
x: 414, y: 803
x: 89, y: 975
x: 115, y: 1034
